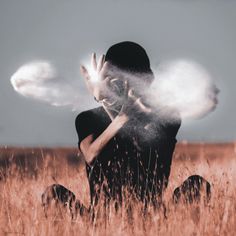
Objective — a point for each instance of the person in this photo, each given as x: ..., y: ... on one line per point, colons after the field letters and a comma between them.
x: 126, y: 143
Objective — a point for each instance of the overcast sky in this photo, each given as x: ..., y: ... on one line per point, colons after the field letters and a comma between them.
x: 65, y: 31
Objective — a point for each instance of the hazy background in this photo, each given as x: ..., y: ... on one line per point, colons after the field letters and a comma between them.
x: 66, y: 31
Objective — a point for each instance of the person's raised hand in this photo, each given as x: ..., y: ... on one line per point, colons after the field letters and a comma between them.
x: 134, y: 104
x: 95, y: 73
x: 100, y: 84
x: 99, y: 79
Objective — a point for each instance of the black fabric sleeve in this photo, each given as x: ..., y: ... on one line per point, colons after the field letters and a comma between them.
x: 84, y: 124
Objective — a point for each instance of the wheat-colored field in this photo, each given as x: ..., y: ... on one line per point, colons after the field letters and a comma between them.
x: 26, y: 172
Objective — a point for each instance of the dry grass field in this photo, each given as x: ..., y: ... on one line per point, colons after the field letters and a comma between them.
x: 26, y: 172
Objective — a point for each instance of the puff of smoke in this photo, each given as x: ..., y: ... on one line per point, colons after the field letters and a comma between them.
x: 181, y: 87
x: 39, y: 80
x: 185, y: 86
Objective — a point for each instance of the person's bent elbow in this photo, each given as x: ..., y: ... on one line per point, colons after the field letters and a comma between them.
x: 87, y: 149
x: 89, y: 156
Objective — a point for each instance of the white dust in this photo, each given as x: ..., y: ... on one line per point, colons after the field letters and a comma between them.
x: 182, y: 85
x: 186, y: 87
x: 39, y: 80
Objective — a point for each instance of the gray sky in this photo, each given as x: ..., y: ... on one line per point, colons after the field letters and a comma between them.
x: 64, y: 32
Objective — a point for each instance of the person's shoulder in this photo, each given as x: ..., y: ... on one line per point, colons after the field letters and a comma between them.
x: 167, y: 116
x: 174, y: 118
x: 172, y: 122
x: 171, y: 116
x: 88, y: 114
x: 168, y: 121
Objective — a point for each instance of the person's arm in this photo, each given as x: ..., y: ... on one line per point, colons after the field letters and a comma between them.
x: 92, y: 148
x: 89, y: 147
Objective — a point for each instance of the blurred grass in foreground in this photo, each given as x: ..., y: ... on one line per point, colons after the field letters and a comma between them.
x: 26, y: 172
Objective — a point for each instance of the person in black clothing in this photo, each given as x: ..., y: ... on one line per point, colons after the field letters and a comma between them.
x: 126, y: 143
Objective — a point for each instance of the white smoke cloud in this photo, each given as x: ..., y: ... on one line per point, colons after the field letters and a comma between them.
x: 186, y: 87
x: 39, y: 80
x: 182, y: 85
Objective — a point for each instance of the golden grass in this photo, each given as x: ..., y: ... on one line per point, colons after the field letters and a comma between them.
x: 25, y: 173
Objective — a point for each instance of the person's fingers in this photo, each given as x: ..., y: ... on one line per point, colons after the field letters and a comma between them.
x: 142, y: 106
x: 100, y: 62
x: 138, y: 102
x: 103, y: 59
x: 93, y: 61
x: 86, y: 77
x: 132, y: 95
x: 104, y: 69
x: 113, y: 80
x: 126, y: 89
x: 84, y: 72
x: 107, y: 80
